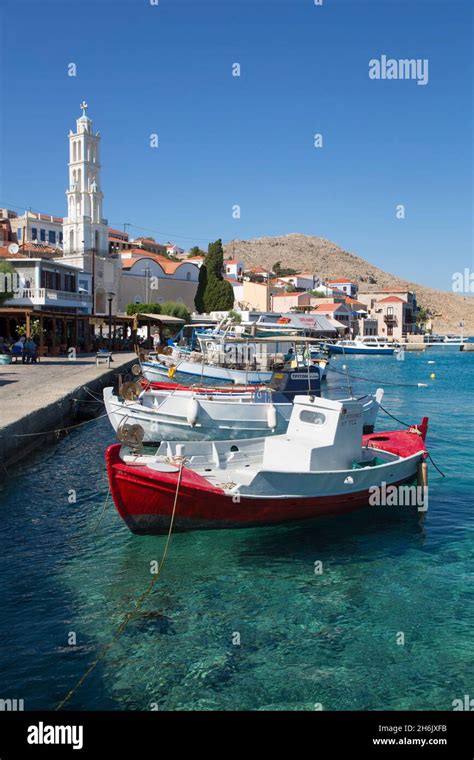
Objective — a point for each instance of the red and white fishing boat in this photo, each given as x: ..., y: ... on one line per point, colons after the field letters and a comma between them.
x: 322, y: 465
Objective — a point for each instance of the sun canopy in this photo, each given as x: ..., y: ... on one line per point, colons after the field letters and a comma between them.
x: 166, y: 319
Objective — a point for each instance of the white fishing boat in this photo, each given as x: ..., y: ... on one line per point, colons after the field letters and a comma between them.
x: 155, y: 371
x: 187, y: 415
x: 322, y: 465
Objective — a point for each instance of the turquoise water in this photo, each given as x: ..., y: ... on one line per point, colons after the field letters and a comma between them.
x: 304, y: 638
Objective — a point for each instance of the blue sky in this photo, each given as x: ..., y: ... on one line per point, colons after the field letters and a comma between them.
x: 224, y: 140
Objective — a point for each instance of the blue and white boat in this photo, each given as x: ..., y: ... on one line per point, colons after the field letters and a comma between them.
x: 181, y: 369
x: 369, y: 345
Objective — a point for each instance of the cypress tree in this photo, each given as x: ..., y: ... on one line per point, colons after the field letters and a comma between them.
x: 213, y: 293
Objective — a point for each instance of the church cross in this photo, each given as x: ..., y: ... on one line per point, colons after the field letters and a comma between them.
x: 83, y: 106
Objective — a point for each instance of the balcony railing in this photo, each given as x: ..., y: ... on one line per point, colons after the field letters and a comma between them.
x: 47, y: 294
x: 390, y: 319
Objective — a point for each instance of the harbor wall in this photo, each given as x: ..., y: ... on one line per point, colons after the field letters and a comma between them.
x: 44, y: 425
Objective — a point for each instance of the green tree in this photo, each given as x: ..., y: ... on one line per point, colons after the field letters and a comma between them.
x: 175, y: 309
x: 213, y: 293
x: 195, y: 251
x: 235, y: 317
x: 143, y: 308
x: 422, y: 316
x: 7, y: 278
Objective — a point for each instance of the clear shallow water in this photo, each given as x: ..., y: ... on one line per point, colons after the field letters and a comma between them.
x: 305, y: 638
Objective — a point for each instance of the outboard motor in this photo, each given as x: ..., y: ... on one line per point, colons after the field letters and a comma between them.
x: 297, y: 382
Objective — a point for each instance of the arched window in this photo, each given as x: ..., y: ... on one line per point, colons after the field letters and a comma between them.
x: 71, y: 240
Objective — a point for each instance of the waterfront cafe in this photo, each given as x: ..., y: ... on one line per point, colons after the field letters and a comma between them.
x: 55, y: 332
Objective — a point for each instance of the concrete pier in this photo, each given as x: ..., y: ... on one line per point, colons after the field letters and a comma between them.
x: 42, y: 397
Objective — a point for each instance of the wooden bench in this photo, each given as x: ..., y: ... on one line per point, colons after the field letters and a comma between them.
x: 102, y: 357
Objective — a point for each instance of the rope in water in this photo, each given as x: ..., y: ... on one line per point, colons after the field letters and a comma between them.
x: 138, y: 602
x: 405, y: 424
x: 104, y: 508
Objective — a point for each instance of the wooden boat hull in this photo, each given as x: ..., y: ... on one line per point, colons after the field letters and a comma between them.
x: 144, y: 498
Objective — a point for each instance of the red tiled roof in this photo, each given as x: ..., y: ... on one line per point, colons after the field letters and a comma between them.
x: 5, y: 254
x: 290, y: 295
x: 328, y: 307
x: 341, y: 279
x: 353, y: 301
x: 391, y: 299
x: 169, y: 267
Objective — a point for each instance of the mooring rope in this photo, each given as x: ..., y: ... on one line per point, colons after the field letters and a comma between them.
x: 55, y: 430
x: 138, y: 603
x: 381, y: 382
x: 405, y: 424
x: 106, y: 504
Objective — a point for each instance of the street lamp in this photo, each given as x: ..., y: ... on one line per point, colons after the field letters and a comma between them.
x: 110, y: 297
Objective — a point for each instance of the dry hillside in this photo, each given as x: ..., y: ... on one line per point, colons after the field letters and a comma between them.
x: 305, y: 253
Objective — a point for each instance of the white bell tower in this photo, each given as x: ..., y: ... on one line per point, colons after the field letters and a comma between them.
x: 84, y: 229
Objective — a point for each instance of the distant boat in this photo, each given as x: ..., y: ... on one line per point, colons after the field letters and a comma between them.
x: 369, y: 345
x: 322, y: 465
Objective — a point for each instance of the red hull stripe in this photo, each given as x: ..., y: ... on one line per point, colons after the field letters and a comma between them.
x: 144, y: 499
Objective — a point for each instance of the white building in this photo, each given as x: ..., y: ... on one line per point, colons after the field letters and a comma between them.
x: 85, y: 231
x: 84, y: 227
x: 301, y: 281
x: 32, y: 227
x: 151, y: 278
x: 50, y: 285
x: 346, y: 286
x: 234, y: 268
x: 174, y: 250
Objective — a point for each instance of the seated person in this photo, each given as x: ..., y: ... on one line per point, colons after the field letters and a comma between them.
x: 17, y: 348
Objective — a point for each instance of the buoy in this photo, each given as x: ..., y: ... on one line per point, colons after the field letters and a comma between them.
x: 431, y: 362
x: 272, y: 417
x: 192, y: 411
x: 433, y: 376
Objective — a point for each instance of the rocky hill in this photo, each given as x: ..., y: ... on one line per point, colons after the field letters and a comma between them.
x: 326, y: 259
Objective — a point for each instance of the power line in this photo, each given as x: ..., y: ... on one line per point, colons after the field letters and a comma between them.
x: 5, y: 204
